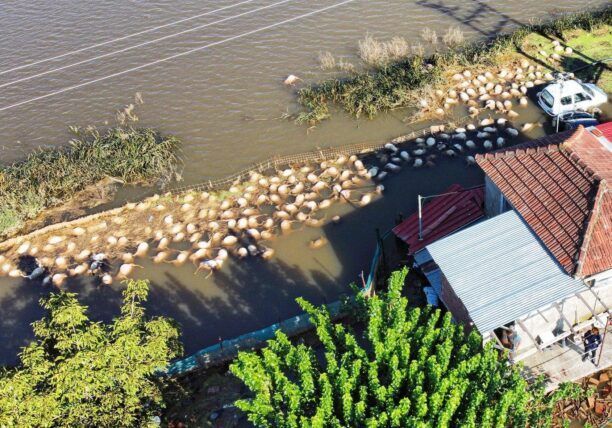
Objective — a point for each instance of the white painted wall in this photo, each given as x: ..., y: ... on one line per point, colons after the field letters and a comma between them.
x: 576, y: 309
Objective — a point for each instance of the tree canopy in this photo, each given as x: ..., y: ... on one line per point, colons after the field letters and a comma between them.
x: 78, y: 372
x: 412, y: 367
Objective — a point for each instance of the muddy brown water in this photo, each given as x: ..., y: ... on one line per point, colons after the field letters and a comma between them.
x: 227, y: 104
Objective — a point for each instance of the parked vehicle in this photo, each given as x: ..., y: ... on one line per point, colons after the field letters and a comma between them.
x: 566, y: 95
x: 572, y: 119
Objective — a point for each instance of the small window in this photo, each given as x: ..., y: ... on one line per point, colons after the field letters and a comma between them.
x: 566, y: 100
x: 547, y: 98
x: 581, y: 96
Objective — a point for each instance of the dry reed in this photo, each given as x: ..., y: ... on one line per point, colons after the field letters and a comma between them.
x: 453, y: 37
x: 430, y: 36
x: 327, y: 61
x: 378, y: 53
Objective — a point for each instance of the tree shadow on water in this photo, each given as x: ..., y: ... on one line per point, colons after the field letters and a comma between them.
x: 477, y: 15
x: 244, y: 296
x: 20, y: 307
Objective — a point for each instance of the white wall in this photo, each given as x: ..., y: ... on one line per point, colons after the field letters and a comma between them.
x: 574, y: 309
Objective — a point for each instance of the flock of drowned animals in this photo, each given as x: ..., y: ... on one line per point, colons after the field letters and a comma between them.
x: 205, y: 228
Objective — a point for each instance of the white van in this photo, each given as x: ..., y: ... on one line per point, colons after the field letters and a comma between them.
x: 567, y: 95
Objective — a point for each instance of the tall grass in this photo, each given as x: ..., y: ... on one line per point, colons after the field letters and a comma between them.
x: 378, y: 53
x: 367, y: 94
x: 327, y: 61
x: 50, y: 177
x: 430, y: 36
x: 453, y: 37
x: 389, y: 84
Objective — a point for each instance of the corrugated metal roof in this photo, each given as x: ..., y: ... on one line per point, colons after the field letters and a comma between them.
x: 501, y: 271
x: 452, y: 210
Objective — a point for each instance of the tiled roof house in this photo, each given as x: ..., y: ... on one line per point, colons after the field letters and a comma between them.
x: 559, y: 185
x: 542, y: 260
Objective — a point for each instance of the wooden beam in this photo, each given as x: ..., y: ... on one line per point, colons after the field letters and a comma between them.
x: 599, y: 300
x: 558, y: 307
x: 542, y: 315
x: 587, y: 304
x: 535, y: 342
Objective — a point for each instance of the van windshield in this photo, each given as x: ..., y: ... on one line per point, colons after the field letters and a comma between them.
x: 547, y: 98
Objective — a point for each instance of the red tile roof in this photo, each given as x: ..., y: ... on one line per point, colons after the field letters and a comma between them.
x: 596, y: 250
x: 442, y: 216
x: 606, y: 130
x: 558, y: 185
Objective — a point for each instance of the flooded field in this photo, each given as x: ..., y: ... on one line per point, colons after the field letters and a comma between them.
x: 226, y: 103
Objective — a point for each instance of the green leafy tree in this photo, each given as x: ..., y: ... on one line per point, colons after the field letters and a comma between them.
x: 82, y: 373
x: 413, y: 367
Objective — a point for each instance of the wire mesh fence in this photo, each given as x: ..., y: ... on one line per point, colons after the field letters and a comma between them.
x: 319, y: 155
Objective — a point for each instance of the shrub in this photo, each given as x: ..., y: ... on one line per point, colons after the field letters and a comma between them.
x: 49, y: 177
x: 327, y: 60
x: 411, y: 367
x: 453, y: 37
x: 395, y: 74
x: 78, y: 372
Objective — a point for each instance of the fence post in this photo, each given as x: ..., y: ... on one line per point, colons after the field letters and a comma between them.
x: 380, y: 243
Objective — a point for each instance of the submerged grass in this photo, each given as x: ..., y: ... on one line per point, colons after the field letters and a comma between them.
x: 50, y: 177
x: 389, y: 85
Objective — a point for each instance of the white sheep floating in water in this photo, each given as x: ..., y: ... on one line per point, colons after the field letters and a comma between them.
x: 291, y: 80
x: 392, y: 167
x: 381, y: 176
x: 391, y: 147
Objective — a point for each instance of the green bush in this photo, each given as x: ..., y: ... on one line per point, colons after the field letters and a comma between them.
x: 49, y: 177
x: 408, y: 367
x: 79, y: 372
x: 388, y: 86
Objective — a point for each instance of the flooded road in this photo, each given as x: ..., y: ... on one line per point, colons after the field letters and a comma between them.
x: 227, y: 103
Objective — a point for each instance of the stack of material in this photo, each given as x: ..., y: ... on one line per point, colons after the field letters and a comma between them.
x: 596, y: 409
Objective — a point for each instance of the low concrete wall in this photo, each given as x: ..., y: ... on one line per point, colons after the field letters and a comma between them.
x: 228, y: 349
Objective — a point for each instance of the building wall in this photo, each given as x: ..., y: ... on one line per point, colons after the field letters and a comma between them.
x: 576, y: 309
x: 495, y: 203
x: 601, y: 279
x: 455, y: 305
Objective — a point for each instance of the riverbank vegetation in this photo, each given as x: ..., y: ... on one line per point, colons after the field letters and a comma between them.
x: 585, y: 47
x: 413, y: 367
x: 391, y: 81
x: 82, y: 373
x: 52, y: 176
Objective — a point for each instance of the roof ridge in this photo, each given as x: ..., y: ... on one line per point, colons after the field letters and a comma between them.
x: 567, y: 144
x: 547, y: 143
x: 568, y: 147
x: 592, y: 220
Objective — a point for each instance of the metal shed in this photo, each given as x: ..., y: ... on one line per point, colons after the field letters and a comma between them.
x: 495, y: 272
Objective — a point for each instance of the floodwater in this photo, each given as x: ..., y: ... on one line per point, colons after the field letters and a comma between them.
x: 227, y: 103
